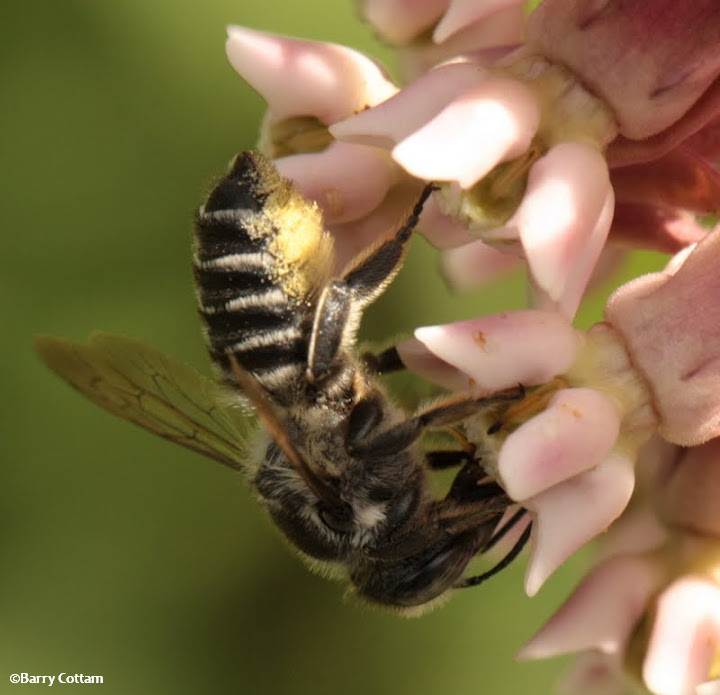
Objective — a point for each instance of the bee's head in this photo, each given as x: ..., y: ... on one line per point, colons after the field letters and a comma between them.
x: 361, y: 513
x: 424, y: 560
x: 332, y: 531
x: 321, y: 529
x: 405, y: 581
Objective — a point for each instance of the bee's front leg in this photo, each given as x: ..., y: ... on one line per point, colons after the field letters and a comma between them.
x: 401, y: 436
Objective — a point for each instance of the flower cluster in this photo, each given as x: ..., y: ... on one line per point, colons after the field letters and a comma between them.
x: 559, y: 138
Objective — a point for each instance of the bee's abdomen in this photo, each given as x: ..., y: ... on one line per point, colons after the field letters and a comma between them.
x: 245, y: 305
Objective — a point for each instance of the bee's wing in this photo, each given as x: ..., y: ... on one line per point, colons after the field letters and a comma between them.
x: 140, y: 384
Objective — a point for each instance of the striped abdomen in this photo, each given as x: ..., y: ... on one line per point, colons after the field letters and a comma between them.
x: 261, y: 255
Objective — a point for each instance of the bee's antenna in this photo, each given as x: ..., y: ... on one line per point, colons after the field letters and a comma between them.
x: 503, y: 530
x: 514, y: 552
x: 274, y: 426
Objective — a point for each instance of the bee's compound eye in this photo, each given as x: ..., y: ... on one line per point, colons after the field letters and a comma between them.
x: 338, y: 519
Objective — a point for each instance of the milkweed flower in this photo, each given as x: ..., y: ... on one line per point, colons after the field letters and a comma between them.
x: 430, y: 32
x: 559, y: 138
x: 522, y: 142
x: 308, y: 86
x: 652, y: 367
x: 653, y: 614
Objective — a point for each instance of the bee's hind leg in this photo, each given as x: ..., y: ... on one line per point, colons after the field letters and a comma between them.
x: 341, y: 303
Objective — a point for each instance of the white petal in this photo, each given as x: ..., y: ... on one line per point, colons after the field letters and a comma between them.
x: 489, y: 124
x: 572, y: 513
x: 306, y: 78
x: 475, y: 264
x: 574, y: 433
x: 388, y: 123
x: 685, y: 637
x: 500, y: 351
x: 601, y: 612
x: 594, y: 673
x: 417, y: 358
x: 347, y: 181
x: 399, y: 21
x: 557, y: 220
x: 463, y: 13
x: 708, y: 688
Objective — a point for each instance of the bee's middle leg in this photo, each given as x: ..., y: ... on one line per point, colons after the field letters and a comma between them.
x: 384, y: 362
x: 447, y: 458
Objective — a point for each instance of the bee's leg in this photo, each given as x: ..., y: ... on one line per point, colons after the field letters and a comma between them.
x: 508, y: 526
x: 440, y: 460
x: 472, y: 485
x: 512, y: 554
x: 335, y: 322
x: 365, y: 416
x: 383, y: 362
x: 400, y: 437
x: 338, y: 312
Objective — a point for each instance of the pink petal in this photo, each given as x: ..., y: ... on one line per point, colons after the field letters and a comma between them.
x: 650, y: 61
x: 677, y: 261
x: 708, y: 688
x: 685, y: 637
x: 441, y: 230
x: 655, y: 228
x: 388, y: 123
x: 528, y: 347
x: 399, y: 21
x: 485, y: 42
x: 491, y: 123
x: 671, y: 328
x: 656, y: 462
x: 352, y: 238
x: 706, y: 141
x: 475, y: 264
x: 306, y: 78
x: 510, y: 538
x: 689, y: 499
x: 595, y: 674
x: 623, y: 151
x: 347, y: 181
x: 607, y: 266
x: 574, y: 433
x: 572, y: 513
x: 462, y: 13
x: 638, y: 530
x: 579, y: 276
x: 602, y: 611
x: 563, y: 220
x: 680, y: 179
x: 417, y: 358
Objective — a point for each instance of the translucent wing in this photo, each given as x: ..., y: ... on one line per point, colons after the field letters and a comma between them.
x: 140, y: 384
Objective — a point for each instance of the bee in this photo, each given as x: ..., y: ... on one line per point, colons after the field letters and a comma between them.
x: 337, y: 465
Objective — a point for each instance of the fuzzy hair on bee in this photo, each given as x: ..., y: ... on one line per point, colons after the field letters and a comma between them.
x: 340, y: 468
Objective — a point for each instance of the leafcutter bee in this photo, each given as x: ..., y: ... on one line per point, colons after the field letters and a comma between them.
x: 340, y: 469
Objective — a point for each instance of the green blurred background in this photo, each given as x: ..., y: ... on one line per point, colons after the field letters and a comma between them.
x: 123, y: 555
